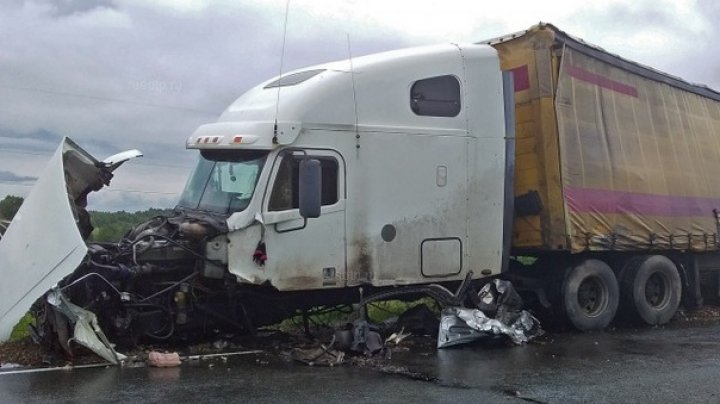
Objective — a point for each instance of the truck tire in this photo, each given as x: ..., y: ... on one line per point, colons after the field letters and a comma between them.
x: 590, y: 295
x: 651, y: 289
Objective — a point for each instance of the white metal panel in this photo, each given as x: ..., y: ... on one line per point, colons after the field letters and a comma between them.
x: 116, y: 160
x: 483, y: 89
x: 42, y: 245
x: 377, y: 100
x: 300, y: 255
x: 427, y: 177
x: 441, y: 257
x: 394, y: 182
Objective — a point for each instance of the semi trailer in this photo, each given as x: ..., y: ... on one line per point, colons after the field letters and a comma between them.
x: 583, y: 177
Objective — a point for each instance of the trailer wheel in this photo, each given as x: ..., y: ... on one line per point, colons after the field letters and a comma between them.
x: 590, y: 295
x: 651, y: 289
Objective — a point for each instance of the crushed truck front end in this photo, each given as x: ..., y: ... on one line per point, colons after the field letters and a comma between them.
x: 311, y: 189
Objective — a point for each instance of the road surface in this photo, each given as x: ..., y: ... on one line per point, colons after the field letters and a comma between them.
x: 669, y: 364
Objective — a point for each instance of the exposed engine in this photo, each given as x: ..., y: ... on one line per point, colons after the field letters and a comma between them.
x: 154, y: 284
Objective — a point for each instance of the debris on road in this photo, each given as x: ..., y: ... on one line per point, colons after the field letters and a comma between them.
x: 461, y: 325
x: 321, y: 356
x: 397, y: 337
x: 163, y: 360
x: 417, y: 320
x: 84, y: 323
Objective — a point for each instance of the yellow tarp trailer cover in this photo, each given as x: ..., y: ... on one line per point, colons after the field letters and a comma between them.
x: 639, y: 150
x: 640, y: 159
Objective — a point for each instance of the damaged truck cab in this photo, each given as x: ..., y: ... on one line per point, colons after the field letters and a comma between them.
x: 399, y: 173
x: 401, y: 142
x: 326, y: 186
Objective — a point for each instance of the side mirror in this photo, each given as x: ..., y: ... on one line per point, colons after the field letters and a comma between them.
x: 310, y: 192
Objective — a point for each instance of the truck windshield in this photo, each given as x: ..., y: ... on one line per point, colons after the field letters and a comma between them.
x: 223, y: 180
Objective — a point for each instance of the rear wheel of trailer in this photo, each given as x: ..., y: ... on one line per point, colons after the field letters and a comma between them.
x: 651, y: 289
x: 590, y: 295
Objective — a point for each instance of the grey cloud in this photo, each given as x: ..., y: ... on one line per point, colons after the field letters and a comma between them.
x: 36, y: 142
x: 40, y: 134
x: 623, y: 14
x: 62, y: 8
x: 9, y: 176
x: 628, y: 17
x: 115, y: 76
x: 67, y: 7
x: 694, y: 57
x: 140, y: 76
x: 700, y: 62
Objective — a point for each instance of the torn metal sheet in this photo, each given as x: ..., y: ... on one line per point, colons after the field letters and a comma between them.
x: 87, y: 331
x: 454, y: 331
x: 461, y: 326
x: 32, y: 258
x: 498, y: 298
x: 45, y: 242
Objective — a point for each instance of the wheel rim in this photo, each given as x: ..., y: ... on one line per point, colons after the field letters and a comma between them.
x: 656, y: 290
x: 592, y: 296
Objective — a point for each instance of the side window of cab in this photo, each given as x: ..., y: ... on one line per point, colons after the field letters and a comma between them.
x: 285, y: 191
x: 436, y: 96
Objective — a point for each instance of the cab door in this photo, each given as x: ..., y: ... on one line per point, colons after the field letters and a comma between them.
x: 305, y: 253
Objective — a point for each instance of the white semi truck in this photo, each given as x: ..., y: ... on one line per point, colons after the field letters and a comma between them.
x: 585, y: 178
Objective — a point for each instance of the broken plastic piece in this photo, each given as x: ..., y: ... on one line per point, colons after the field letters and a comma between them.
x: 366, y: 340
x: 397, y: 337
x: 260, y: 254
x: 163, y: 360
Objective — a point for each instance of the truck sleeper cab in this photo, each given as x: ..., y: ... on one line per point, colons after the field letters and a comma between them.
x: 433, y: 182
x: 583, y: 177
x: 410, y: 144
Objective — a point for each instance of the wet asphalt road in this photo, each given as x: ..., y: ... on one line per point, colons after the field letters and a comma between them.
x: 670, y: 364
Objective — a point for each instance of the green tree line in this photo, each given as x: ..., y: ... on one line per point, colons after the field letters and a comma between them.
x: 109, y: 226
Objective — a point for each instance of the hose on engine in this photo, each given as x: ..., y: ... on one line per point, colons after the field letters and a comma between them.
x: 169, y: 288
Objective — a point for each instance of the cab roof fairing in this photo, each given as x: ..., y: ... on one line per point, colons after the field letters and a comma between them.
x: 381, y: 90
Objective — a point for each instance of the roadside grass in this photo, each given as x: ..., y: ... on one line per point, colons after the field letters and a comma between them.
x: 337, y: 317
x: 22, y: 328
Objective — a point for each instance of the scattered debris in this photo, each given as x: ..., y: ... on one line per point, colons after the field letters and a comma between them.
x: 461, y: 326
x: 418, y: 320
x: 52, y: 369
x: 366, y: 338
x: 321, y: 356
x: 223, y: 355
x: 10, y: 365
x: 163, y: 360
x: 23, y: 352
x: 86, y: 330
x: 397, y: 337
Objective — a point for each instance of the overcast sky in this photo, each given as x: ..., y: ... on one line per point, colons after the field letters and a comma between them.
x: 114, y: 75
